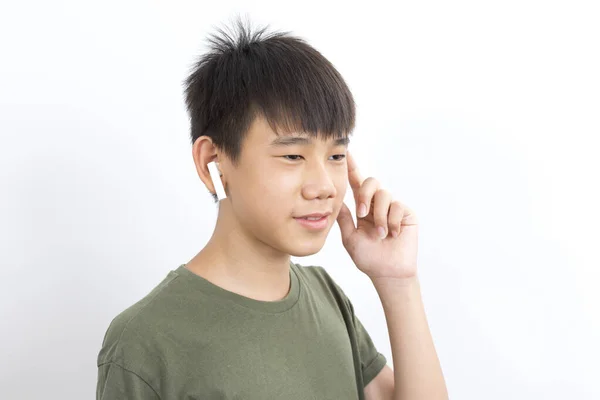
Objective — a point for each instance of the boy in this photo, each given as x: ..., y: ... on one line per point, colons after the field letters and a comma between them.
x: 240, y: 320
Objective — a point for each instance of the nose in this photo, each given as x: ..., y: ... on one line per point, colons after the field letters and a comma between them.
x: 318, y: 183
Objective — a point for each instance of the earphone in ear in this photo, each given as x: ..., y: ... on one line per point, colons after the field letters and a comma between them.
x: 216, y: 179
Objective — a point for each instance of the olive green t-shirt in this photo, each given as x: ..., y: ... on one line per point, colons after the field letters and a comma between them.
x: 191, y: 339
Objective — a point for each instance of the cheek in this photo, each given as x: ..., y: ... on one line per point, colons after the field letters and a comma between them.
x: 276, y: 186
x: 271, y: 195
x: 341, y: 186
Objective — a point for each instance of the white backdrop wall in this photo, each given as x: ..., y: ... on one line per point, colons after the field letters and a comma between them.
x: 481, y: 116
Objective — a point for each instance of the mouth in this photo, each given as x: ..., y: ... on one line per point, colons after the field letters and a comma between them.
x: 314, y: 223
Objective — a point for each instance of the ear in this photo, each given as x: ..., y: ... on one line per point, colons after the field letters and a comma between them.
x: 204, y: 152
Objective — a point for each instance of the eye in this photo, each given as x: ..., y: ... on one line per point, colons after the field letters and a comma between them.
x: 341, y: 157
x: 292, y: 155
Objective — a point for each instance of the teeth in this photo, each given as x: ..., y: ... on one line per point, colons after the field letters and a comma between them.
x: 313, y: 218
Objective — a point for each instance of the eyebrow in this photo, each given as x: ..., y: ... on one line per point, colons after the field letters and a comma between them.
x: 282, y: 141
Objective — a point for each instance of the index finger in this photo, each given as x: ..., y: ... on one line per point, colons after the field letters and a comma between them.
x: 354, y: 176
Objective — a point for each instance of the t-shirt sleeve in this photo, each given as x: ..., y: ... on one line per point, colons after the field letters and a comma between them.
x: 118, y: 383
x: 371, y: 360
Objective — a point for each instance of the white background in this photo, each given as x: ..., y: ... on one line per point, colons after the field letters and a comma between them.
x: 482, y: 116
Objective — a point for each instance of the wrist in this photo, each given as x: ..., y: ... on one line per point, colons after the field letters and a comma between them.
x: 398, y: 282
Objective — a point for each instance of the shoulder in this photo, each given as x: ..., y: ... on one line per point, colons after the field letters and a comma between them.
x: 131, y: 331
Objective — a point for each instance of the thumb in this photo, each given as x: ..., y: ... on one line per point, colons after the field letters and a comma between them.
x: 345, y: 221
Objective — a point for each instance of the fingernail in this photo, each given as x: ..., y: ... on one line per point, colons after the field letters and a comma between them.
x: 362, y: 210
x: 381, y: 232
x: 395, y: 233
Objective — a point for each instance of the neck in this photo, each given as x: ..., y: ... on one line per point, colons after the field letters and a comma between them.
x: 236, y: 260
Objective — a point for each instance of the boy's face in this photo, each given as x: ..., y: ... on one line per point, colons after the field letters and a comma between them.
x: 274, y: 183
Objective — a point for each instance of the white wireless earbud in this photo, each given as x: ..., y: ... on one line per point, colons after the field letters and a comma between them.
x: 216, y: 179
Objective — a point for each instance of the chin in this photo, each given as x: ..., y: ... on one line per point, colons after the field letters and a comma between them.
x: 306, y: 248
x: 297, y: 253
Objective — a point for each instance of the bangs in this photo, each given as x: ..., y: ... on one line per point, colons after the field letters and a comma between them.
x: 279, y: 77
x: 298, y: 97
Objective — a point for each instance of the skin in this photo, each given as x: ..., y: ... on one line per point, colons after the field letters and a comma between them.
x: 256, y: 233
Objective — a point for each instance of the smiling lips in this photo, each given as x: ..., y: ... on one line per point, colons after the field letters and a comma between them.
x: 316, y: 215
x: 314, y: 223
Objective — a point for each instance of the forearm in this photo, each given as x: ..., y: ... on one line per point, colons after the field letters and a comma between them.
x: 417, y: 371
